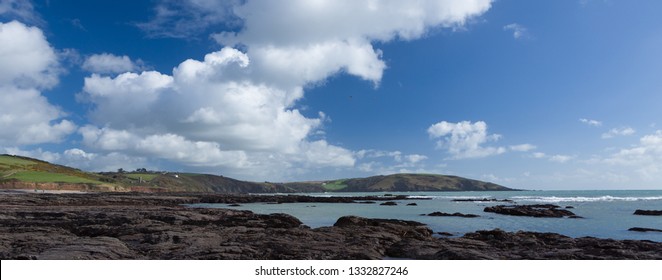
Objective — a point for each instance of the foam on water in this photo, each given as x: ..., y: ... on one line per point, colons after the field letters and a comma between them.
x: 554, y: 199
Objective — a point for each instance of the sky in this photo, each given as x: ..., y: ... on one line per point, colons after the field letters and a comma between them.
x: 528, y: 94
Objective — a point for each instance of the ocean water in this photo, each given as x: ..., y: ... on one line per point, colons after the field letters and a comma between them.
x: 607, y: 214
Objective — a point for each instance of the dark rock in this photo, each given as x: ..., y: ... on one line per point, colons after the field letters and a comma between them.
x: 234, y: 205
x: 443, y: 233
x: 533, y: 210
x: 481, y: 200
x: 648, y: 212
x: 640, y: 229
x: 569, y: 207
x: 156, y: 226
x: 412, y: 204
x: 389, y: 203
x: 456, y: 214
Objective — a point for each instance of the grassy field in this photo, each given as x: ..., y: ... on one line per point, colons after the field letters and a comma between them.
x: 335, y: 185
x: 47, y: 177
x: 8, y: 161
x: 144, y: 176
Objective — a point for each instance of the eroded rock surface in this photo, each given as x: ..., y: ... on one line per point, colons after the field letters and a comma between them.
x: 136, y: 226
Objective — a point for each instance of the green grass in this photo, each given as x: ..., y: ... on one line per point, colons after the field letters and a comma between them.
x: 335, y: 185
x: 47, y: 177
x: 144, y: 176
x: 10, y: 160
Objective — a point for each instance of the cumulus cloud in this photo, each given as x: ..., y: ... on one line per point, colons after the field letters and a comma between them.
x: 306, y: 42
x: 591, y: 122
x: 465, y: 139
x: 623, y: 131
x: 208, y: 113
x: 26, y: 58
x: 106, y: 63
x: 519, y: 31
x: 28, y: 64
x: 239, y: 103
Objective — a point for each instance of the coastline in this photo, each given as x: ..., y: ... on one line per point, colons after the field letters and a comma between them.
x: 158, y: 226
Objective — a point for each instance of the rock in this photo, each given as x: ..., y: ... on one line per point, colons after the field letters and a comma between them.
x: 456, y: 214
x: 389, y: 203
x: 640, y: 229
x: 412, y: 204
x: 156, y: 226
x: 443, y: 233
x: 648, y: 212
x: 481, y: 200
x: 534, y: 210
x: 569, y: 207
x: 234, y: 205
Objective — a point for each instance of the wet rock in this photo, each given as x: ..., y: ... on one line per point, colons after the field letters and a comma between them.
x: 640, y: 229
x: 412, y: 204
x: 533, y: 210
x: 481, y: 200
x: 648, y: 212
x: 389, y: 203
x: 456, y: 214
x: 140, y: 226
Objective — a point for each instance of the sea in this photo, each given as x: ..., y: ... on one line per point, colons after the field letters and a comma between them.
x: 606, y: 213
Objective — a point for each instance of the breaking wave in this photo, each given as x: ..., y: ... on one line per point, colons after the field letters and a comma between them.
x: 584, y: 198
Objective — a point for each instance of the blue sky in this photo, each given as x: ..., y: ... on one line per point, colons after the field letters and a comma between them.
x: 528, y: 94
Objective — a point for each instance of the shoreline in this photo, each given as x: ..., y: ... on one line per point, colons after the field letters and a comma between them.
x: 157, y: 226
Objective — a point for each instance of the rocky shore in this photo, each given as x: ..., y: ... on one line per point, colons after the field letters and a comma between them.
x: 157, y: 226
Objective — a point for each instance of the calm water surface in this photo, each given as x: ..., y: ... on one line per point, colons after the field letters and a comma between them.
x: 607, y: 214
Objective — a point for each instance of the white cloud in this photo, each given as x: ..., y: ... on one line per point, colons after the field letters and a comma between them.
x: 553, y: 158
x: 106, y: 63
x: 27, y: 65
x: 522, y: 147
x: 415, y: 158
x: 591, y: 122
x: 465, y: 139
x: 518, y: 30
x: 243, y: 102
x: 560, y: 158
x: 306, y: 42
x: 26, y: 58
x: 623, y: 131
x: 645, y: 158
x: 210, y: 110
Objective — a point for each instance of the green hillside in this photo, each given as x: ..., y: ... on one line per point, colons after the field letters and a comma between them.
x: 36, y: 171
x: 22, y: 172
x: 406, y: 182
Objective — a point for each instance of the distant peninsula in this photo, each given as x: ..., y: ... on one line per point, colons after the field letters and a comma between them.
x: 17, y: 172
